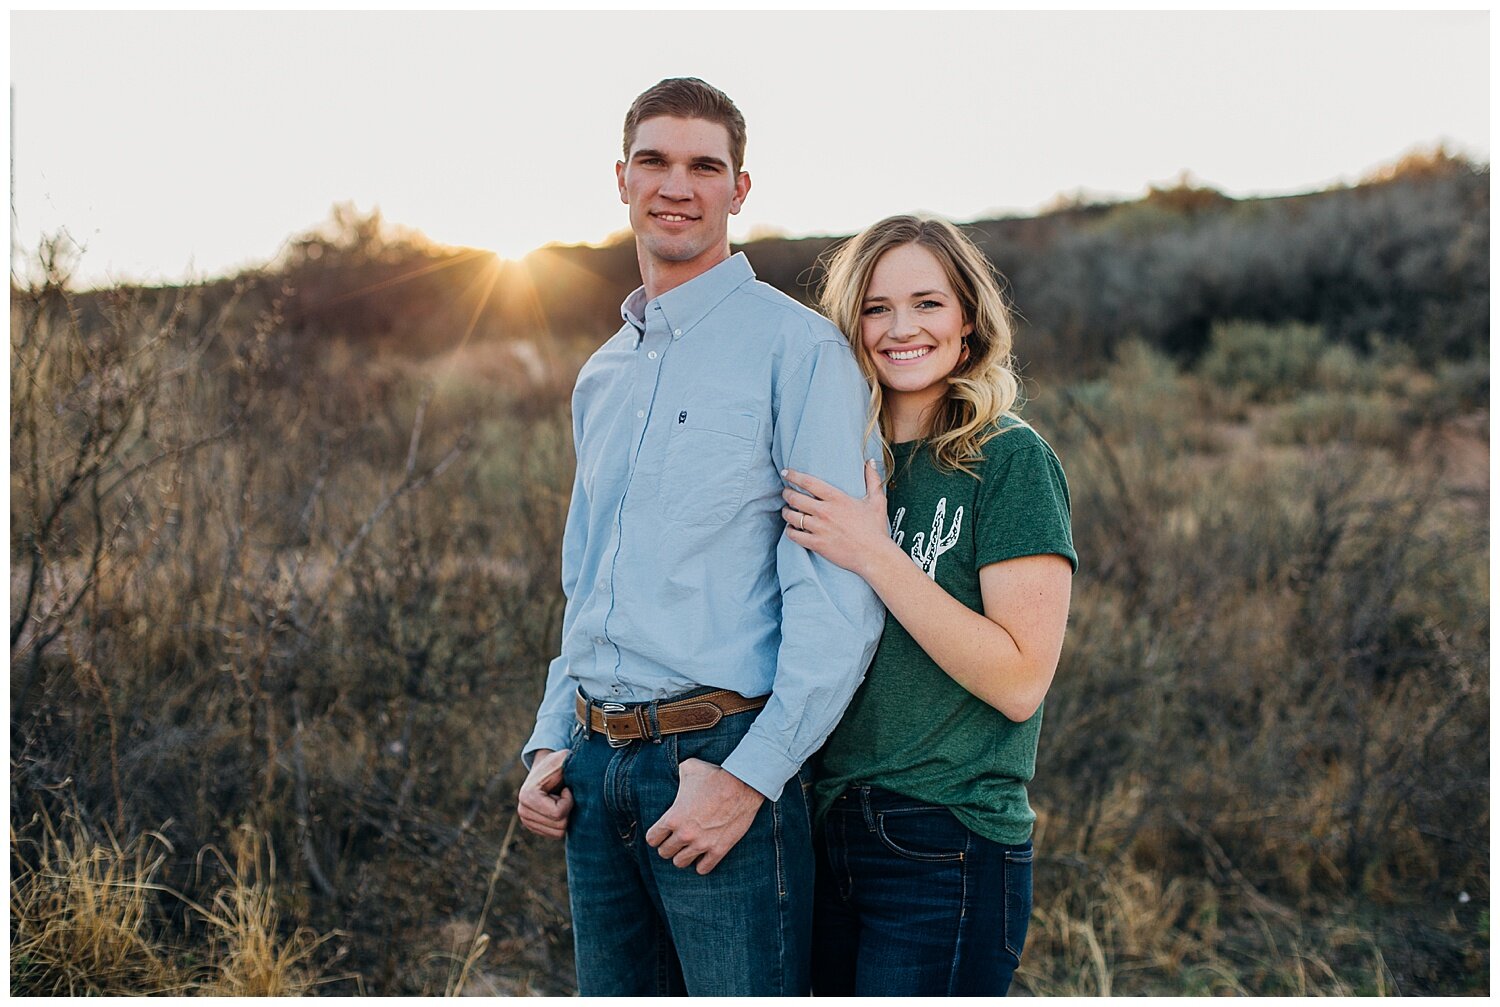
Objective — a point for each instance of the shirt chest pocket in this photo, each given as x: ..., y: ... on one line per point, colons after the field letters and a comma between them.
x: 709, y: 452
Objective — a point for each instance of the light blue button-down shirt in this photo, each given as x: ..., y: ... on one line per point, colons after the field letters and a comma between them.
x: 675, y: 564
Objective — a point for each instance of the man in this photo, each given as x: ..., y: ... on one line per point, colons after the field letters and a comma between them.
x: 704, y: 655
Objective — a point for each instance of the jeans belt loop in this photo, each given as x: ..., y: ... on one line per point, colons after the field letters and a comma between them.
x: 869, y: 812
x: 654, y: 731
x: 588, y: 716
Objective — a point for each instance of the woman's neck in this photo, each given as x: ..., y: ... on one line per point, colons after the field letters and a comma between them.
x: 911, y: 413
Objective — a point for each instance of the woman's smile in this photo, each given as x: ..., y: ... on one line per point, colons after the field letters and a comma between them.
x: 901, y: 356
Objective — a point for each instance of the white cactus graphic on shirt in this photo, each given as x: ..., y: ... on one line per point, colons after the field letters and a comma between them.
x: 897, y: 535
x: 926, y: 548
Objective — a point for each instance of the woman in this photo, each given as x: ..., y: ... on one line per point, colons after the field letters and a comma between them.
x: 924, y: 850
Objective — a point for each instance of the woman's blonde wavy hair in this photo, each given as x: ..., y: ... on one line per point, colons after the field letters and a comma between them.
x: 983, y: 387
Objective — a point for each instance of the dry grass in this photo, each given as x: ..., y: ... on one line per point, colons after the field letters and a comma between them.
x: 250, y: 954
x: 1113, y: 927
x: 88, y: 918
x: 82, y: 921
x: 1105, y: 934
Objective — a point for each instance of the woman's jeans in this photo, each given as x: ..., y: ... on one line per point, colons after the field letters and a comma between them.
x: 642, y: 927
x: 911, y: 903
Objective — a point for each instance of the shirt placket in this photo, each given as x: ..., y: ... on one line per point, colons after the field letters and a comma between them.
x: 650, y: 352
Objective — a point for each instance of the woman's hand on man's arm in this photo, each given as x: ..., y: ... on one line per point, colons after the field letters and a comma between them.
x: 847, y: 531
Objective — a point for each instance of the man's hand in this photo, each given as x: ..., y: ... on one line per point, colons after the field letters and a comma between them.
x: 712, y: 812
x: 543, y: 808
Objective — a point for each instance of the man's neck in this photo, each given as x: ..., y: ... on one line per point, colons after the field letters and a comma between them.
x: 660, y: 276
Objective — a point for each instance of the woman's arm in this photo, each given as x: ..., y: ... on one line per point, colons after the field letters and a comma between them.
x: 1005, y: 656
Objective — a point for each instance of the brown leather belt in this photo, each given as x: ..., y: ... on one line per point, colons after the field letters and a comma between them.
x: 623, y: 724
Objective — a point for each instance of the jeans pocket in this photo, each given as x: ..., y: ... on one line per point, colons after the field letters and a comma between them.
x: 669, y: 747
x: 927, y: 834
x: 711, y: 745
x: 1018, y: 861
x: 577, y: 740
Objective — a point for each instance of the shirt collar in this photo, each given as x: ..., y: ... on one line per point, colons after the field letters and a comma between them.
x: 686, y: 305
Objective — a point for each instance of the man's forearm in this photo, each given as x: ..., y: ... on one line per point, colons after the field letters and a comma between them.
x: 831, y: 624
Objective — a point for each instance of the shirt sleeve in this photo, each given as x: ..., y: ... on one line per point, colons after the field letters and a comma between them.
x: 555, y: 717
x: 830, y: 618
x: 1024, y: 508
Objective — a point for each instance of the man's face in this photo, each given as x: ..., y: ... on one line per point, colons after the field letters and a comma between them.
x: 681, y: 189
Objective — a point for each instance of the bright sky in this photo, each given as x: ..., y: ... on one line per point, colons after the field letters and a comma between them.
x: 190, y: 144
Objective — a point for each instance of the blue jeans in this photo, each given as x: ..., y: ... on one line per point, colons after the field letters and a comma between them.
x: 642, y: 927
x: 912, y: 903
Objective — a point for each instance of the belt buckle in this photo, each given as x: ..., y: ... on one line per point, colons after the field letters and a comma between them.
x: 607, y: 709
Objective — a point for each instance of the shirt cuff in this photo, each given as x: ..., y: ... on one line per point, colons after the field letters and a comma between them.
x: 761, y: 765
x: 553, y: 733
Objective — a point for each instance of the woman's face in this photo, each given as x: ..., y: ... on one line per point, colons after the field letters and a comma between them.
x: 912, y: 325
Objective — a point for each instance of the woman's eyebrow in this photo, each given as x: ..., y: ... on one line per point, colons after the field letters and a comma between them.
x: 915, y: 293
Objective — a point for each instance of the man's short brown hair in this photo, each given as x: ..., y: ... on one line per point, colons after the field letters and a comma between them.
x: 688, y: 98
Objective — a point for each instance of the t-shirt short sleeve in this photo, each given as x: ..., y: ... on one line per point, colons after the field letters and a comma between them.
x: 1024, y: 508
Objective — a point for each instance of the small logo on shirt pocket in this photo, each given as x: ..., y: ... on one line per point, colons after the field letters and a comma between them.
x: 707, y: 461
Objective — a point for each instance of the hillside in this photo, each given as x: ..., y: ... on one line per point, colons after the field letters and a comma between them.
x: 1403, y: 256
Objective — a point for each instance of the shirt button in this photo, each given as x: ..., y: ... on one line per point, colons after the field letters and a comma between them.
x: 604, y: 585
x: 676, y: 332
x: 599, y: 640
x: 652, y: 354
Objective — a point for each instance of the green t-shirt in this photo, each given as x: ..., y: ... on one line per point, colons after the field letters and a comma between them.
x: 911, y: 729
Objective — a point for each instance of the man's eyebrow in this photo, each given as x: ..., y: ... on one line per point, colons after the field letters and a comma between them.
x: 697, y: 158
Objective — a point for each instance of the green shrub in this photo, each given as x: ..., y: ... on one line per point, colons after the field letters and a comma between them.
x: 1338, y: 417
x: 1459, y: 388
x: 1341, y: 368
x: 1266, y: 363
